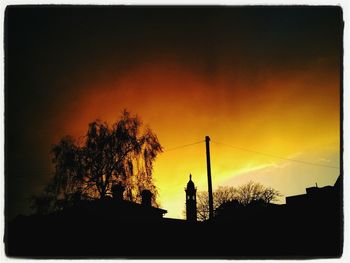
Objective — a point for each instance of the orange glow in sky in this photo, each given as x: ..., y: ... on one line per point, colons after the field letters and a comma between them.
x: 289, y: 113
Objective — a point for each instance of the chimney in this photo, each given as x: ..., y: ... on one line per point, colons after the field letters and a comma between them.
x: 117, y: 191
x: 146, y: 198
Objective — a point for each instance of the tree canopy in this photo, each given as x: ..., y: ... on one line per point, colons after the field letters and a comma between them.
x: 245, y: 195
x: 119, y: 154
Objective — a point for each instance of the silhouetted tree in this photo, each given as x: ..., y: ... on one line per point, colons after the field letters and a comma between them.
x: 269, y: 194
x: 256, y: 192
x: 244, y: 195
x: 123, y: 153
x: 67, y: 180
x: 221, y: 195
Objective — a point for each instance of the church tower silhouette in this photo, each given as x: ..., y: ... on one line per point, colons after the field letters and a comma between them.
x: 191, y: 201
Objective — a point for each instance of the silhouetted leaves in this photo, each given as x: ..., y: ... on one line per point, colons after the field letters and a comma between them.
x: 249, y: 193
x: 252, y: 192
x: 123, y: 153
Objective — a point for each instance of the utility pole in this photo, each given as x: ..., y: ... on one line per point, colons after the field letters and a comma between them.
x: 210, y: 189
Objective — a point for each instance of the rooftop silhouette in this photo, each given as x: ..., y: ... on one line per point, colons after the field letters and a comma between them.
x: 127, y: 229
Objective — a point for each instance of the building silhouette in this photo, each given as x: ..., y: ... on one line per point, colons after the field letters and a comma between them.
x: 117, y: 208
x: 317, y: 197
x: 191, y: 201
x: 113, y: 226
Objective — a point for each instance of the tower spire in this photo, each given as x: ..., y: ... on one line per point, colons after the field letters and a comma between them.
x: 191, y: 201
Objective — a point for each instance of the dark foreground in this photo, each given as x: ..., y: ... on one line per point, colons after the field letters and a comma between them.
x: 278, y: 233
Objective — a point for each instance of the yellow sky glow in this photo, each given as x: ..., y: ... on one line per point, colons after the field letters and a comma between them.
x: 293, y: 114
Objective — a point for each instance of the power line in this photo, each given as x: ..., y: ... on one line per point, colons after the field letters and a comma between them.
x: 183, y: 146
x: 276, y: 156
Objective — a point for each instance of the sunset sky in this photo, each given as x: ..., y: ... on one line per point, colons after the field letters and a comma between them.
x: 262, y: 79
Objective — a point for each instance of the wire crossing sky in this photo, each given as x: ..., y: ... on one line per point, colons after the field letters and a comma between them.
x: 253, y: 151
x: 276, y: 156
